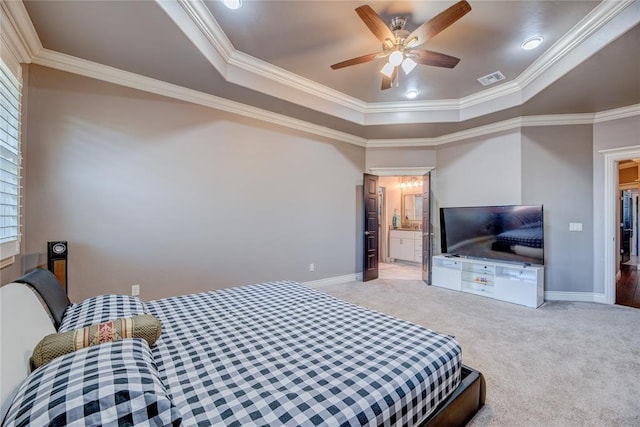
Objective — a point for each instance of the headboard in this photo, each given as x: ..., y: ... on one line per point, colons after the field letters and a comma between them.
x: 24, y: 321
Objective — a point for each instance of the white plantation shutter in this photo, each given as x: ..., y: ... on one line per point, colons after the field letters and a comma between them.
x: 10, y: 159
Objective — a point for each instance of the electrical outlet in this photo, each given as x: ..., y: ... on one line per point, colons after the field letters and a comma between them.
x: 312, y: 267
x: 135, y: 290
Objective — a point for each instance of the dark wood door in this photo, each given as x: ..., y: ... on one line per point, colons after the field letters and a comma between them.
x: 370, y: 262
x: 426, y: 228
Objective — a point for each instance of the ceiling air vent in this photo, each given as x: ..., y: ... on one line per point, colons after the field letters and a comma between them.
x: 489, y: 79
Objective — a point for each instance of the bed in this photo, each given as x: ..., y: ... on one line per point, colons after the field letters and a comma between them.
x: 275, y: 353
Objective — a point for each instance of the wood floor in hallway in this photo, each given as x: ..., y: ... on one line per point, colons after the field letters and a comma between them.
x: 628, y: 287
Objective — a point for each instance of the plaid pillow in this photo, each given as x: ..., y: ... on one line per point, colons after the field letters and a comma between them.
x: 112, y: 384
x: 99, y: 309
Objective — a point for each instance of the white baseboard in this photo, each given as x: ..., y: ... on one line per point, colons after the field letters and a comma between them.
x: 548, y: 295
x: 574, y: 296
x: 334, y: 280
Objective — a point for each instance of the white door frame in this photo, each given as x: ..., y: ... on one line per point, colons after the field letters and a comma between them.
x: 611, y: 159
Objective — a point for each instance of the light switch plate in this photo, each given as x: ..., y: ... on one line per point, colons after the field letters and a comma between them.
x: 575, y: 226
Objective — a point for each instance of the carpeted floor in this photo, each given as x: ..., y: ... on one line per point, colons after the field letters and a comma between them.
x: 563, y: 364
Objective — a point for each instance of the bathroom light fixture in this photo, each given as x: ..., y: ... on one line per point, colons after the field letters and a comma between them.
x: 531, y: 43
x: 410, y: 182
x: 412, y: 94
x: 232, y: 4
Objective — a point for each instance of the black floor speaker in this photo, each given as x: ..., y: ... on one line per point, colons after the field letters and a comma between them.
x: 57, y: 261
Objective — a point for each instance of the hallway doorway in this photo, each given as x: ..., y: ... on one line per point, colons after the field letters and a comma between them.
x: 613, y: 267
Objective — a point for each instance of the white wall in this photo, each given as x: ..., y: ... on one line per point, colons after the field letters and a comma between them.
x: 178, y: 197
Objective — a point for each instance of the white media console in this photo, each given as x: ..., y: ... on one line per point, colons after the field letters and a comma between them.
x: 516, y: 283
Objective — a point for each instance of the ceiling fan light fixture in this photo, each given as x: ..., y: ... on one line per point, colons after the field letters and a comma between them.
x: 531, y: 43
x: 408, y: 65
x: 396, y: 58
x: 387, y: 70
x: 232, y: 4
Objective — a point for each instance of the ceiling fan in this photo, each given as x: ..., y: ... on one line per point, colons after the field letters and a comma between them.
x: 400, y: 46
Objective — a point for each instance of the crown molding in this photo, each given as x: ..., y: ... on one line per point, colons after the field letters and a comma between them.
x: 508, y: 125
x: 476, y: 132
x: 24, y: 42
x: 280, y: 75
x: 60, y: 61
x: 606, y: 22
x: 589, y: 25
x: 17, y: 32
x: 617, y: 113
x: 558, y: 120
x: 90, y: 69
x: 205, y: 33
x: 198, y: 24
x: 261, y: 76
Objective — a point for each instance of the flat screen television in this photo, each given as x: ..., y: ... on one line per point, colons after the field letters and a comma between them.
x: 512, y: 233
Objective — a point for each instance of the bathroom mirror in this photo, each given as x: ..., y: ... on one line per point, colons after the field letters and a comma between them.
x: 412, y: 207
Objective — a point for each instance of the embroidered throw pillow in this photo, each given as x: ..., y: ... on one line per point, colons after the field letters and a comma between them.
x: 55, y: 345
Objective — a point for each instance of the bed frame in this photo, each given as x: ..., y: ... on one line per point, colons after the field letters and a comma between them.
x: 463, y: 404
x: 21, y: 305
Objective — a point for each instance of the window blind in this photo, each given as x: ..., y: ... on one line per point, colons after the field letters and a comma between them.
x: 10, y: 161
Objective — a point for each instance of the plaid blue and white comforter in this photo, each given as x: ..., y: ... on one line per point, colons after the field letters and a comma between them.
x: 282, y: 354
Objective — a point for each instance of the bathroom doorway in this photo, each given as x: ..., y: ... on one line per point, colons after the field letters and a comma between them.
x: 400, y: 227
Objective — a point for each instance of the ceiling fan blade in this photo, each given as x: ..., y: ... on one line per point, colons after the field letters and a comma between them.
x: 436, y: 59
x: 426, y: 31
x: 355, y: 61
x: 388, y: 81
x: 375, y: 24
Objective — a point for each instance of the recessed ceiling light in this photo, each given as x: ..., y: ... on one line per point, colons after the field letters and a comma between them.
x: 232, y: 4
x: 531, y: 43
x: 412, y: 94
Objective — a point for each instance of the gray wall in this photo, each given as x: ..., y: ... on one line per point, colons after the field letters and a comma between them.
x: 401, y: 157
x: 551, y: 166
x: 181, y: 198
x: 607, y: 135
x: 178, y: 197
x: 557, y: 173
x: 476, y: 172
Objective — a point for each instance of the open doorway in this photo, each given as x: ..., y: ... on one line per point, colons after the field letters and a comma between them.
x: 628, y: 279
x: 400, y: 227
x: 613, y: 274
x: 415, y: 261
